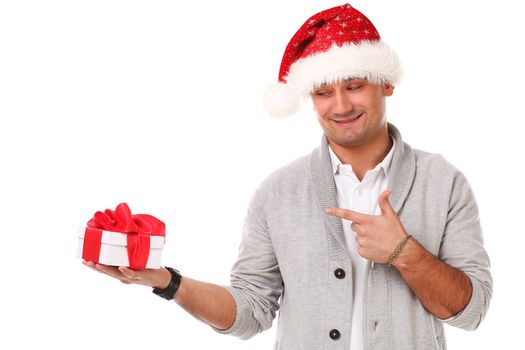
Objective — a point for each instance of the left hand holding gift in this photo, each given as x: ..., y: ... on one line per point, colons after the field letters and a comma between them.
x: 155, y: 278
x: 377, y: 235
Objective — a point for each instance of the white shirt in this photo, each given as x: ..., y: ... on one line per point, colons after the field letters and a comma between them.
x: 362, y: 197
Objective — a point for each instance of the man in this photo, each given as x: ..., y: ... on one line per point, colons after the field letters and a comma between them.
x: 404, y: 257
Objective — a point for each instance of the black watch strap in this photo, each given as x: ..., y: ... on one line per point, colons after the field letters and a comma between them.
x: 168, y: 293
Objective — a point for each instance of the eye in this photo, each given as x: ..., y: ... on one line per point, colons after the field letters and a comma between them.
x: 322, y: 93
x: 353, y: 87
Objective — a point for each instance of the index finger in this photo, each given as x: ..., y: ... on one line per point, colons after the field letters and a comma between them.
x: 347, y: 214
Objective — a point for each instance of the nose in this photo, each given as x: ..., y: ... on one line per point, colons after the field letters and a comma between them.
x: 342, y: 102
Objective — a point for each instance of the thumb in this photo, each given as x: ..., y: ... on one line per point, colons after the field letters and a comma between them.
x: 384, y: 204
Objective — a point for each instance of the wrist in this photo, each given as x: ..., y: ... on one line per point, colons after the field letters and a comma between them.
x: 163, y: 279
x: 181, y: 291
x: 170, y: 290
x: 395, y: 253
x: 409, y: 257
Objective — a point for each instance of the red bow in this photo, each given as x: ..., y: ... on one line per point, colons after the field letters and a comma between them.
x: 138, y: 228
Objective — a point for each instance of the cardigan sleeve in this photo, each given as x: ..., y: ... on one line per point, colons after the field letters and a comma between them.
x: 462, y: 247
x: 256, y: 283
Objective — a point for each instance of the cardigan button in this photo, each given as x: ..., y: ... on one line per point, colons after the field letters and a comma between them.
x: 340, y: 273
x: 335, y: 334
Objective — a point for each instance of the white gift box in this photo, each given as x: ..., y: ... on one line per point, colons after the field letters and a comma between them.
x: 114, y: 251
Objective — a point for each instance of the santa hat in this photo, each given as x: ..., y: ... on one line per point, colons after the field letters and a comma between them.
x: 333, y: 45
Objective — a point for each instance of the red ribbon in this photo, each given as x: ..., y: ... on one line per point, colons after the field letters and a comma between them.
x: 138, y: 228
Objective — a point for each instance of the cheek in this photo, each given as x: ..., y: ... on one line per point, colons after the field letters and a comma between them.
x: 378, y: 107
x: 362, y: 101
x: 369, y: 104
x: 321, y: 106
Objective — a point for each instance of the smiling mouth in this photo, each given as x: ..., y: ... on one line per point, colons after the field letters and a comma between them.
x: 348, y: 121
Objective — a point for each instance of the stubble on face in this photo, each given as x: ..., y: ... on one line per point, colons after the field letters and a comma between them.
x: 367, y: 102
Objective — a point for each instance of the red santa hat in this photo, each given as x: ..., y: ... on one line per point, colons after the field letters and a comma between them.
x: 333, y: 45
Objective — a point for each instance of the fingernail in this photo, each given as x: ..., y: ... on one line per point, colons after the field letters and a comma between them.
x: 328, y: 210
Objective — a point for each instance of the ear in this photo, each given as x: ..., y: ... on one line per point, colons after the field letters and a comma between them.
x: 388, y: 89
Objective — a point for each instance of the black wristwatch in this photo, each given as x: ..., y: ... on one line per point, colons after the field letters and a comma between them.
x: 168, y: 293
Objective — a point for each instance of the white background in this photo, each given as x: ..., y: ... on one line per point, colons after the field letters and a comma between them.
x: 156, y: 103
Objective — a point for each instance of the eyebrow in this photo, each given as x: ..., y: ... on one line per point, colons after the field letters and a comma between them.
x: 342, y: 81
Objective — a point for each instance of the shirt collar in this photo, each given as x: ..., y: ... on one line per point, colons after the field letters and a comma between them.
x: 384, y: 164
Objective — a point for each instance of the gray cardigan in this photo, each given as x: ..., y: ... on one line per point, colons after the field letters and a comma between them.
x: 290, y: 249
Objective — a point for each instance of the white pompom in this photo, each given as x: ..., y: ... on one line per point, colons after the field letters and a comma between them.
x: 280, y: 100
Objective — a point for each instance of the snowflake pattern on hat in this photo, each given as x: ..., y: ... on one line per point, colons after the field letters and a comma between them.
x: 325, y: 29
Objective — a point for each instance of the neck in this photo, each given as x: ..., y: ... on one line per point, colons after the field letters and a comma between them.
x: 364, y: 157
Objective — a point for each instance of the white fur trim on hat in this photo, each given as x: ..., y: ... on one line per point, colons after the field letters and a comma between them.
x: 374, y: 60
x: 280, y: 100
